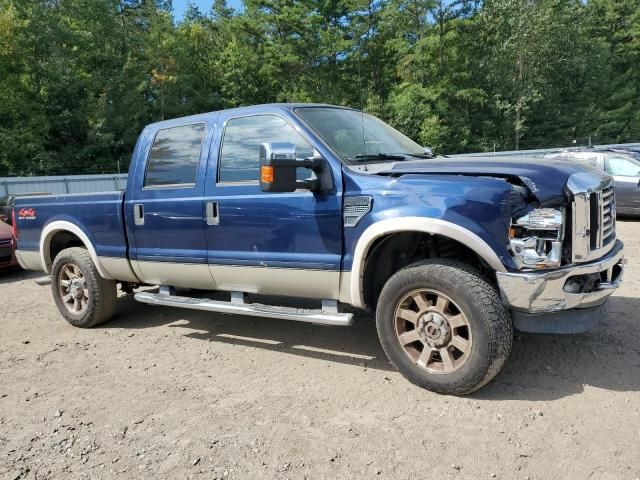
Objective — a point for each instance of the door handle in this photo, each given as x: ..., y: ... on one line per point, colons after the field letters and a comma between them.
x: 138, y: 214
x: 213, y: 214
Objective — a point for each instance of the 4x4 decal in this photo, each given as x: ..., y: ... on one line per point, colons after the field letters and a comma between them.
x: 27, y: 214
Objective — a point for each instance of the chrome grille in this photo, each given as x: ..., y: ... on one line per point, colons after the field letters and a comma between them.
x: 608, y: 215
x: 602, y: 218
x: 593, y: 215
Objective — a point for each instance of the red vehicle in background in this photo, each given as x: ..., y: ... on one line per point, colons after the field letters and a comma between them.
x: 8, y: 233
x: 7, y: 247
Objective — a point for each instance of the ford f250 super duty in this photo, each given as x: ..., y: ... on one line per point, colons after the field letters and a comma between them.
x: 331, y: 205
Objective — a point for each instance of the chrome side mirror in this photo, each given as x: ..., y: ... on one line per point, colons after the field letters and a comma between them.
x: 279, y: 168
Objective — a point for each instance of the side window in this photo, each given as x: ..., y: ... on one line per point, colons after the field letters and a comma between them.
x: 240, y: 154
x: 174, y: 156
x: 622, y: 166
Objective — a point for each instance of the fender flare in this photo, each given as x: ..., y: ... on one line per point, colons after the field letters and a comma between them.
x: 414, y: 224
x: 63, y: 226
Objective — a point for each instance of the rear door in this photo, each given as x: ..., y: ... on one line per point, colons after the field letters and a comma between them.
x: 165, y: 210
x: 626, y: 175
x: 272, y: 243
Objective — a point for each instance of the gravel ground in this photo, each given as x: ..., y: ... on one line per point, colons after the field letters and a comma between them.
x: 165, y: 393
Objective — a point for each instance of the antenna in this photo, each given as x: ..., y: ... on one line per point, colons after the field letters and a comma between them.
x: 364, y: 142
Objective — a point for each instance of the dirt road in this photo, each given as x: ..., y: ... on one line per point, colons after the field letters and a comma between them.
x: 164, y: 393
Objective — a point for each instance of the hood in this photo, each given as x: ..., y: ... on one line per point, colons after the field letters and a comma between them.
x: 545, y: 178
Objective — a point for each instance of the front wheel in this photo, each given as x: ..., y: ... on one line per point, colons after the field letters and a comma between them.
x: 82, y: 296
x: 443, y: 326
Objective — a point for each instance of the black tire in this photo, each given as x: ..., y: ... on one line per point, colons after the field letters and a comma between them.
x: 488, y: 324
x: 101, y: 294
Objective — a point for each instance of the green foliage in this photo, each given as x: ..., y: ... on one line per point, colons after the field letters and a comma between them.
x: 79, y: 80
x: 618, y: 29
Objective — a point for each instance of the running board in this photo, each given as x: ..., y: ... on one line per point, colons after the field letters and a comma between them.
x: 46, y: 280
x: 323, y: 317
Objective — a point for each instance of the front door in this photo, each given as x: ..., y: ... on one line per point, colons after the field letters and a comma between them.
x: 271, y: 243
x: 626, y: 177
x: 165, y: 212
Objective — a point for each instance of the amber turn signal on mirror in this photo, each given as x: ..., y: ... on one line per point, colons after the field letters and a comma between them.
x: 266, y: 174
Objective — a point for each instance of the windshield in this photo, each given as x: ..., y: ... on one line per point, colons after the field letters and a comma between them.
x: 358, y: 136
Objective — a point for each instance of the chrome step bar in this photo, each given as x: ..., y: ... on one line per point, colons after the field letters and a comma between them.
x: 328, y: 315
x: 42, y: 281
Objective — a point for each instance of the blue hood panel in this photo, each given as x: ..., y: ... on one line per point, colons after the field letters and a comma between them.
x: 544, y: 177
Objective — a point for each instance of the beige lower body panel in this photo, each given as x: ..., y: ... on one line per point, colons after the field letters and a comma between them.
x: 268, y: 281
x: 323, y: 284
x: 278, y: 281
x: 345, y: 287
x: 30, y: 260
x: 118, y: 269
x: 185, y: 275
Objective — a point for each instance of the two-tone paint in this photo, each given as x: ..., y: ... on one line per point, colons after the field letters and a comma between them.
x: 287, y: 243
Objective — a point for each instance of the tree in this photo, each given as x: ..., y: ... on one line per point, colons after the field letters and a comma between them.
x: 79, y: 80
x: 616, y: 26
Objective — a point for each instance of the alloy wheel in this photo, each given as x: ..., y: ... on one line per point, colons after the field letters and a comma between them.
x: 72, y: 287
x: 433, y: 331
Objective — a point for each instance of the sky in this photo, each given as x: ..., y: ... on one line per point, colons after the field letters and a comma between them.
x: 180, y: 6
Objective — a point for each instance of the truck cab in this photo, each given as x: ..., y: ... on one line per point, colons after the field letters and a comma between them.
x: 331, y: 205
x: 201, y: 209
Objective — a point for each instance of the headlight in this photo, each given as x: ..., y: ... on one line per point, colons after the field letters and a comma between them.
x: 536, y: 238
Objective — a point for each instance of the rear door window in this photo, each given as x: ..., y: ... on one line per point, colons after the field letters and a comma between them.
x: 174, y: 156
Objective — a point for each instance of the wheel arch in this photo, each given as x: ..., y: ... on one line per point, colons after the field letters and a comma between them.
x: 418, y: 225
x: 56, y: 228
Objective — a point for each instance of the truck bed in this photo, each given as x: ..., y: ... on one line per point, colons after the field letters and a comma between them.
x: 98, y: 215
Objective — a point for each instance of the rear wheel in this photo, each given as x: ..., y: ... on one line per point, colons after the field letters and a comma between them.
x: 444, y: 326
x: 82, y: 296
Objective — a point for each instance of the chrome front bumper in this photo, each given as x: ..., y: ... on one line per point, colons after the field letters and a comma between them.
x: 543, y: 292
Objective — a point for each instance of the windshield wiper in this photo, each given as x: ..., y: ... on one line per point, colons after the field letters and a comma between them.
x: 381, y: 157
x: 420, y: 155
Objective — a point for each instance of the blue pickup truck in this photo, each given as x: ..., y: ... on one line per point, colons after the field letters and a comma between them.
x: 330, y: 205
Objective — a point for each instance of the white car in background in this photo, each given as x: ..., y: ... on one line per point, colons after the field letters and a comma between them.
x: 622, y: 164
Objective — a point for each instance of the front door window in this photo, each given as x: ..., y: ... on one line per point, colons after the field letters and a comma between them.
x: 240, y: 153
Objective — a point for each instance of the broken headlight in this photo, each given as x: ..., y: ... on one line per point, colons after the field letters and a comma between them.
x: 535, y: 239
